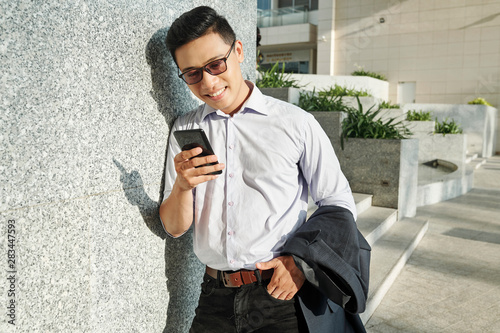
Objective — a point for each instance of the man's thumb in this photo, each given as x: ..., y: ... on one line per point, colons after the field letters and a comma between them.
x: 266, y: 265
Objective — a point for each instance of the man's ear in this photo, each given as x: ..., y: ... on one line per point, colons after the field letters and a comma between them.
x: 238, y: 48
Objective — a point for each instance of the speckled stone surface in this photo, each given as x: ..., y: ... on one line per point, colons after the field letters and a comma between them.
x: 53, y: 286
x: 388, y: 169
x: 331, y: 122
x: 87, y: 94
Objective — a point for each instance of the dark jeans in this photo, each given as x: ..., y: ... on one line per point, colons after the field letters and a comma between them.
x: 249, y: 308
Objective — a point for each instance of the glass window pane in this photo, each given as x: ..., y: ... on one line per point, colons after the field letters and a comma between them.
x: 313, y: 5
x: 264, y: 4
x: 285, y: 3
x: 302, y: 3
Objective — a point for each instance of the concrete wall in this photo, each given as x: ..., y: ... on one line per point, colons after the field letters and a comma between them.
x: 87, y: 93
x: 450, y: 49
x: 289, y: 34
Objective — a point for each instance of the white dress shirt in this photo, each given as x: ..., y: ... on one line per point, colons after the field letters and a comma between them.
x: 273, y: 152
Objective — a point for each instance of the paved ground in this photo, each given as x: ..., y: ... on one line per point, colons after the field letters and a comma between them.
x: 451, y: 283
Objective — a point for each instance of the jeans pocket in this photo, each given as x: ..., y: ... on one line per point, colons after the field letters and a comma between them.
x: 208, y: 285
x: 272, y: 298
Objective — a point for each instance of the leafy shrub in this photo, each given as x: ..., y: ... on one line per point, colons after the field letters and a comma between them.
x: 480, y: 100
x: 388, y: 105
x: 343, y: 91
x: 414, y: 115
x: 311, y: 101
x: 359, y: 124
x: 361, y: 72
x: 447, y: 127
x: 274, y: 78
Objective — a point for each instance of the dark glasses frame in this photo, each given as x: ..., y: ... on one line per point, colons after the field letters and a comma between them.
x: 206, y: 68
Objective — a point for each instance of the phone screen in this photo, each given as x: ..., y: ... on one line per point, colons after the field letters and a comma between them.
x: 189, y: 139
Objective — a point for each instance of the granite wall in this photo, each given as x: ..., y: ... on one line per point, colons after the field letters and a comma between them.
x: 87, y: 95
x: 388, y: 169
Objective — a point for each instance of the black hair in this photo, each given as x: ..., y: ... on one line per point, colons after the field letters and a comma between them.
x: 195, y: 24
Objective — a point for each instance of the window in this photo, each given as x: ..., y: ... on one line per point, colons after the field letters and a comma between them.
x: 264, y: 4
x: 297, y: 67
x: 310, y: 4
x: 285, y: 3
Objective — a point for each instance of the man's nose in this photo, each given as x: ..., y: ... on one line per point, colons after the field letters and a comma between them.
x: 208, y: 80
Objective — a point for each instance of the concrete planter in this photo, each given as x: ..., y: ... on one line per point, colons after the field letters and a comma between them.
x: 366, y: 102
x: 479, y: 122
x: 435, y: 184
x: 386, y: 114
x: 377, y: 88
x: 331, y: 122
x: 449, y: 147
x: 388, y: 169
x: 421, y: 129
x: 290, y: 95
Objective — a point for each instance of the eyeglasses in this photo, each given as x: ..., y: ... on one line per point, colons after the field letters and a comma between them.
x: 215, y: 67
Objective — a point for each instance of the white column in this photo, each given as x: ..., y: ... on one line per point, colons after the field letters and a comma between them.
x: 326, y: 37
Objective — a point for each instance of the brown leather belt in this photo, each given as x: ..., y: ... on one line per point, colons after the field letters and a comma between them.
x: 239, y: 278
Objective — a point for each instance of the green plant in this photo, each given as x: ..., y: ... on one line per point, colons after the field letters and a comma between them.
x: 388, y: 105
x: 359, y: 124
x: 414, y: 115
x: 337, y: 90
x: 361, y: 72
x: 311, y: 101
x: 276, y: 78
x: 447, y: 127
x: 480, y: 100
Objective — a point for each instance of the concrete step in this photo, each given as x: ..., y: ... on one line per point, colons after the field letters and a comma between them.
x: 470, y: 157
x: 389, y: 256
x: 477, y: 162
x: 374, y: 222
x: 363, y: 202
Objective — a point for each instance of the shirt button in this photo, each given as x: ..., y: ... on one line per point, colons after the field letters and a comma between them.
x: 230, y: 233
x: 230, y: 203
x: 231, y: 261
x: 231, y: 175
x: 231, y: 146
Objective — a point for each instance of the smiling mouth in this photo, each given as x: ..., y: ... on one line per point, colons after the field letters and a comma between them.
x: 217, y: 93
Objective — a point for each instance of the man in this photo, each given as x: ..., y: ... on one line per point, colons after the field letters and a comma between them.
x: 270, y: 152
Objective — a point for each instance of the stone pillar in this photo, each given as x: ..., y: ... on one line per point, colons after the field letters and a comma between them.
x: 88, y: 92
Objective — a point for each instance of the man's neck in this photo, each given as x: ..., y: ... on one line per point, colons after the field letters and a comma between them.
x: 250, y: 89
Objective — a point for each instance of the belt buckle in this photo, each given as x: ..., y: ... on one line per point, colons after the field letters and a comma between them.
x: 227, y: 279
x: 238, y: 278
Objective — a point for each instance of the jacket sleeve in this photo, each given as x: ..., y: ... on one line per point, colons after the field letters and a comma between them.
x: 334, y: 256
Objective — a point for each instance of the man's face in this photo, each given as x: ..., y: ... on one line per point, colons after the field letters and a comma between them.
x: 226, y: 91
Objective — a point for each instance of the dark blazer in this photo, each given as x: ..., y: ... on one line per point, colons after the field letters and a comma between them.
x: 335, y: 259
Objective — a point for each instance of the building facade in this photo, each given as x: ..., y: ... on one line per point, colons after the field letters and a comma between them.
x: 431, y: 51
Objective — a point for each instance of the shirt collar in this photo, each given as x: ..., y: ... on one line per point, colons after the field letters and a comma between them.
x: 254, y: 103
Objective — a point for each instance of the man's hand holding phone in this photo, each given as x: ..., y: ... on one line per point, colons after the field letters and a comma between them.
x: 192, y: 170
x: 197, y: 162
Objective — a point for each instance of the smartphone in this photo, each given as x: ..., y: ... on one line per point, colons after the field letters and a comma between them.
x: 189, y: 139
